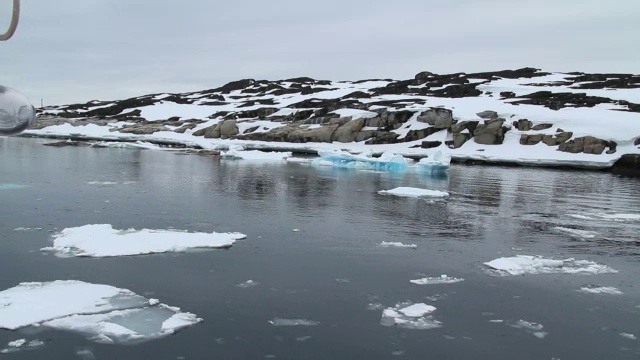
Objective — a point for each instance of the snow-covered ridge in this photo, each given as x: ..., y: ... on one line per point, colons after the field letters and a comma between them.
x: 523, y: 116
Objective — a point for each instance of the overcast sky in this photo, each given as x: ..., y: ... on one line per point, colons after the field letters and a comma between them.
x: 68, y: 51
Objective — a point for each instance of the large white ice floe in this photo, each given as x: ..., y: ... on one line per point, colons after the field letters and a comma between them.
x: 388, y: 161
x: 414, y: 192
x: 410, y: 316
x: 601, y: 290
x: 102, y: 240
x: 237, y: 152
x: 527, y: 264
x: 102, y: 313
x: 442, y: 279
x: 581, y: 234
x: 435, y: 164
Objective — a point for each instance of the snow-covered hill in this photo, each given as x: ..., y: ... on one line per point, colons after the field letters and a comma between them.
x: 521, y: 116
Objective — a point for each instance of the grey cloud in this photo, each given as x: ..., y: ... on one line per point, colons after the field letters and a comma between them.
x: 78, y: 50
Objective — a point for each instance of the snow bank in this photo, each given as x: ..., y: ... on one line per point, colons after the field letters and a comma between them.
x: 526, y: 264
x: 103, y: 241
x: 414, y: 192
x: 102, y: 313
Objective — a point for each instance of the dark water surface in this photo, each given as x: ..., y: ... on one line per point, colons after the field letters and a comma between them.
x: 332, y: 268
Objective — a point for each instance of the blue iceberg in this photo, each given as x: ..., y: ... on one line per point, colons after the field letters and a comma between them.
x: 389, y: 162
x: 436, y: 164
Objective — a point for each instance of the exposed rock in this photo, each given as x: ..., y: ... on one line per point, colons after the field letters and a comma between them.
x: 365, y: 135
x: 586, y: 144
x: 414, y: 135
x: 522, y: 125
x: 349, y: 131
x: 459, y: 139
x: 628, y: 164
x: 530, y: 139
x: 557, y: 139
x: 488, y: 115
x: 490, y: 133
x: 430, y: 144
x: 143, y: 128
x: 462, y: 125
x: 185, y: 127
x: 508, y: 94
x: 539, y: 127
x: 382, y: 137
x: 251, y: 129
x: 437, y: 117
x: 321, y: 134
x: 228, y: 128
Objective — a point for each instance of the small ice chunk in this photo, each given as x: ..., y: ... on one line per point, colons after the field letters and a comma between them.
x: 437, y: 163
x: 21, y: 344
x: 104, y: 183
x: 414, y: 192
x: 442, y: 279
x: 628, y: 336
x: 375, y: 306
x: 238, y: 153
x: 397, y: 244
x: 583, y: 234
x: 607, y: 217
x: 601, y: 290
x: 303, y: 338
x: 534, y: 328
x: 6, y: 186
x: 410, y: 316
x: 104, y: 241
x: 295, y: 230
x: 292, y: 322
x: 247, y: 284
x: 388, y: 161
x: 27, y: 229
x: 85, y: 354
x: 526, y: 264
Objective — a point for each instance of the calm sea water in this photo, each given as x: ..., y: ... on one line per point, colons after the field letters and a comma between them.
x: 332, y: 268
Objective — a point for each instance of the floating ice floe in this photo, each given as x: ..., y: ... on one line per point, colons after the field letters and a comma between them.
x: 248, y: 284
x: 601, y: 290
x: 21, y: 344
x: 607, y: 217
x: 102, y: 313
x: 526, y: 264
x: 442, y: 279
x: 7, y: 186
x: 410, y: 316
x: 533, y: 328
x: 414, y: 192
x: 108, y: 183
x: 628, y: 336
x: 293, y: 322
x: 103, y: 240
x: 583, y: 234
x: 237, y: 152
x: 388, y: 161
x: 397, y: 244
x: 27, y: 229
x: 436, y: 164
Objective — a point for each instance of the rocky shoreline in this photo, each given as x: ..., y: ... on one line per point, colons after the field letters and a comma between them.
x: 511, y: 117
